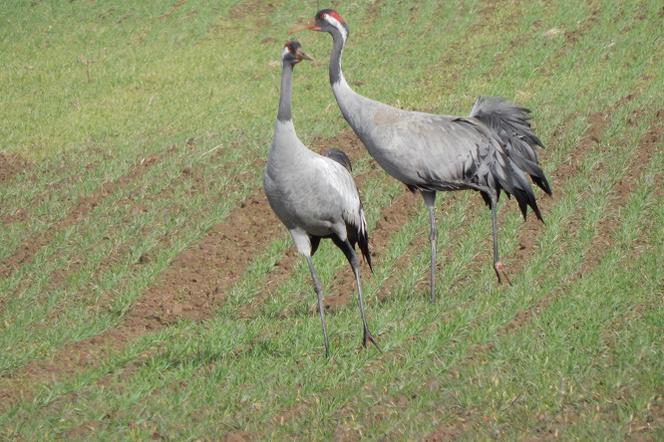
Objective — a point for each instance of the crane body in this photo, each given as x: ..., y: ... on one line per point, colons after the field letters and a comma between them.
x: 314, y: 195
x: 493, y: 149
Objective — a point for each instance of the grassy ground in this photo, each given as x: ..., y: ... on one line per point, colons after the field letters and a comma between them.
x: 146, y: 291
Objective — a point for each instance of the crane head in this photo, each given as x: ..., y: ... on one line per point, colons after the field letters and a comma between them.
x: 325, y: 20
x: 329, y: 20
x: 293, y: 52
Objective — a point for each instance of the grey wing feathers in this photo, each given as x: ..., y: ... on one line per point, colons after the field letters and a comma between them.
x: 340, y: 157
x: 357, y: 234
x: 512, y: 125
x: 494, y: 168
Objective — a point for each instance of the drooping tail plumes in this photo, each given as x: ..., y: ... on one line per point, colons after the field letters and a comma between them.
x: 363, y: 239
x: 512, y: 125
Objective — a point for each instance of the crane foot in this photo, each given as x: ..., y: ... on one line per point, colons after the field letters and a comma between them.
x: 368, y: 337
x: 499, y: 267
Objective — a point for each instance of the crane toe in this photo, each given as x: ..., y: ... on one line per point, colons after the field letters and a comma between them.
x: 368, y: 337
x: 499, y: 267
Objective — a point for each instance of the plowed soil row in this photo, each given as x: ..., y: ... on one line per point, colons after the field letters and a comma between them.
x: 192, y: 287
x: 27, y: 251
x: 195, y: 282
x: 10, y: 166
x: 190, y: 175
x: 597, y: 250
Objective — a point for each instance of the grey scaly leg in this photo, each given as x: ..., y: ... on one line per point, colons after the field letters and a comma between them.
x: 355, y: 263
x: 321, y: 309
x: 498, y: 266
x: 429, y: 201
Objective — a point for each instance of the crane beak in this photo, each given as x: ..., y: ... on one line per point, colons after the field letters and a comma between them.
x: 309, y: 25
x: 301, y: 55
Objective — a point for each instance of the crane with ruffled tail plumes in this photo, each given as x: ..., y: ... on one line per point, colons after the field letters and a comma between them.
x: 494, y: 149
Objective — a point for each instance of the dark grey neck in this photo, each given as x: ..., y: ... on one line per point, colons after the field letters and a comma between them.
x: 284, y: 113
x: 335, y: 58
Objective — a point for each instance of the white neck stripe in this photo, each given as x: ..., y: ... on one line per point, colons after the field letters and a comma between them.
x: 337, y: 24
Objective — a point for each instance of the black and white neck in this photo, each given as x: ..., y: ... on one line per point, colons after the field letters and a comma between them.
x: 339, y: 37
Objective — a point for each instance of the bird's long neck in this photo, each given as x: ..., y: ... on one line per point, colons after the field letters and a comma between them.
x: 336, y: 74
x: 284, y: 113
x: 286, y: 146
x: 346, y: 97
x: 355, y: 108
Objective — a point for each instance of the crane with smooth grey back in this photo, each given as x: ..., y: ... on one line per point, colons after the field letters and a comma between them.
x: 314, y: 195
x: 492, y: 149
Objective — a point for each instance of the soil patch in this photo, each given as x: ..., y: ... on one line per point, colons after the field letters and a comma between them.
x: 619, y: 195
x: 258, y: 11
x: 10, y: 166
x: 572, y: 37
x: 27, y: 251
x: 177, y: 5
x: 191, y: 288
x: 191, y: 177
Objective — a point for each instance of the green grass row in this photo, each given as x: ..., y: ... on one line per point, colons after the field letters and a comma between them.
x: 77, y: 325
x: 244, y: 359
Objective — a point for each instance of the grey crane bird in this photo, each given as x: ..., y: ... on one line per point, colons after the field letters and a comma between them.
x: 491, y: 150
x: 314, y: 195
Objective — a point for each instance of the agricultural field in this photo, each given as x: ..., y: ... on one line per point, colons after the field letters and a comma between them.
x: 147, y: 291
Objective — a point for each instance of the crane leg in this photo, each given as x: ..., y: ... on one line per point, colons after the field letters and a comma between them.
x: 498, y: 266
x: 429, y: 201
x: 354, y: 261
x: 321, y: 309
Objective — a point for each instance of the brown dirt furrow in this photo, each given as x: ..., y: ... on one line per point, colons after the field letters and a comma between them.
x: 177, y: 5
x: 190, y: 176
x: 27, y: 251
x: 62, y: 169
x: 391, y: 219
x: 192, y: 287
x: 618, y: 196
x: 532, y: 228
x: 10, y: 166
x: 257, y: 11
x: 600, y: 244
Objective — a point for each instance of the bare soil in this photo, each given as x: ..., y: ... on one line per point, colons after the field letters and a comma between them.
x: 10, y: 166
x: 192, y: 287
x: 26, y: 252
